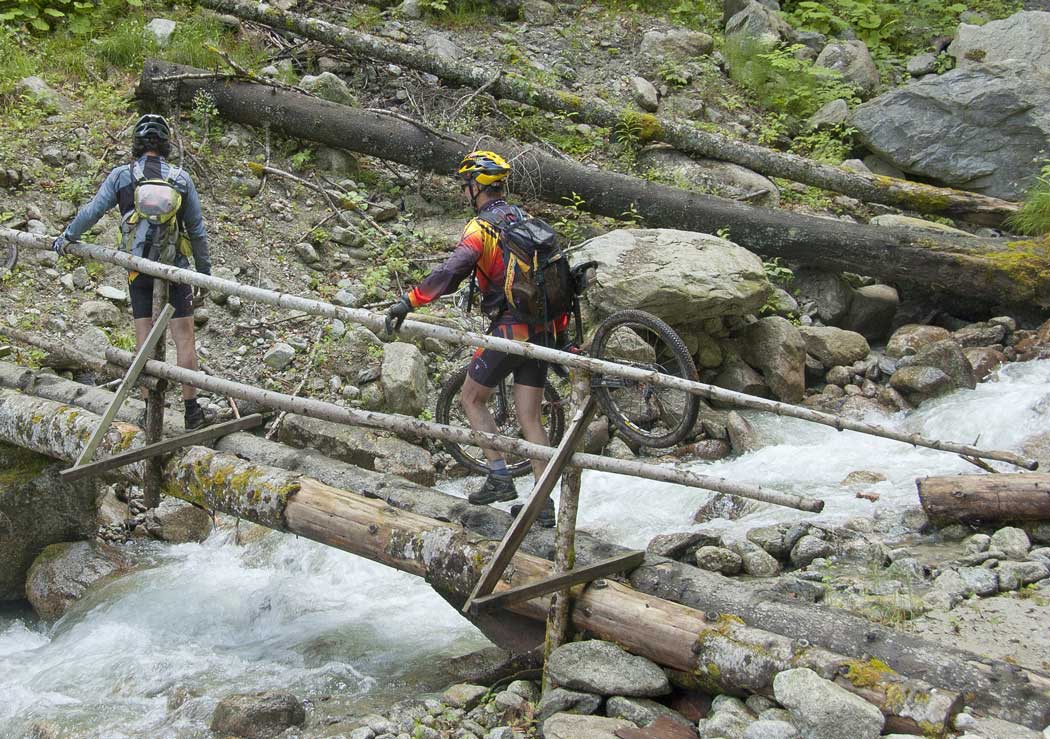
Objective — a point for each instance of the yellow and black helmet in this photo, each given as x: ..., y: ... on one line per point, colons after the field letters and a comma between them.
x: 484, y: 167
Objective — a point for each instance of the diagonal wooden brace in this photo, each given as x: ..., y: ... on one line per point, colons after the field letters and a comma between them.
x: 144, y: 353
x: 531, y: 510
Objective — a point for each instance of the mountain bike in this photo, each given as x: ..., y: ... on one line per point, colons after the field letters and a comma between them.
x: 646, y: 414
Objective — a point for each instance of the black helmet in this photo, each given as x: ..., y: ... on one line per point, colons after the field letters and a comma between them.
x: 152, y: 128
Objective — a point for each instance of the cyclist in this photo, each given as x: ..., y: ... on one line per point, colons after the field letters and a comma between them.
x: 483, y: 175
x: 142, y: 190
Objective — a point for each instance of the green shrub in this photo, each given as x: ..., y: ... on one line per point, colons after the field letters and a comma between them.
x: 783, y: 82
x: 41, y: 16
x: 1034, y: 217
x: 126, y: 44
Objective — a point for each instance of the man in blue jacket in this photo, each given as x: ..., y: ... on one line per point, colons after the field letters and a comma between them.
x: 161, y: 220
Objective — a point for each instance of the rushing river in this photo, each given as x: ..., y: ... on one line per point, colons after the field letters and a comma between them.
x: 285, y: 613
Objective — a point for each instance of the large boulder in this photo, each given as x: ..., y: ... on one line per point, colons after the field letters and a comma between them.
x: 404, y: 378
x: 825, y: 295
x: 912, y: 337
x: 681, y: 276
x: 1023, y: 36
x: 775, y: 346
x: 257, y: 715
x: 823, y: 710
x: 676, y: 45
x: 834, y: 346
x: 983, y: 127
x: 871, y: 311
x: 37, y: 90
x: 37, y: 508
x: 759, y: 24
x: 62, y: 573
x: 949, y: 358
x: 853, y: 61
x: 178, y: 522
x: 920, y: 383
x: 604, y: 668
x: 710, y: 175
x: 366, y: 448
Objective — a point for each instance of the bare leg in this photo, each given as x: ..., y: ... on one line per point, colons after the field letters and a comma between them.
x: 474, y: 399
x: 185, y: 350
x: 528, y: 403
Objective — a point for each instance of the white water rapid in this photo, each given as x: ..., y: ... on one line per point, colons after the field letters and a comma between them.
x: 290, y: 614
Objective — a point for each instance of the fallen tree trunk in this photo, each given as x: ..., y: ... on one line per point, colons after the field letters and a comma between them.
x: 985, y: 498
x: 721, y: 654
x: 984, y: 271
x: 991, y: 686
x: 687, y: 138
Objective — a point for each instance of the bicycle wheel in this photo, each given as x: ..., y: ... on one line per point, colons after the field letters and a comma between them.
x: 650, y: 415
x: 450, y: 412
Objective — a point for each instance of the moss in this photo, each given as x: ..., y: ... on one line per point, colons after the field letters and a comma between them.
x: 1027, y: 263
x: 575, y: 102
x: 649, y: 127
x: 726, y: 619
x: 126, y: 438
x: 20, y: 466
x: 864, y: 674
x: 923, y: 199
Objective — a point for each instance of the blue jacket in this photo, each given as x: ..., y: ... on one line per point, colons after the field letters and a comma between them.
x: 119, y: 190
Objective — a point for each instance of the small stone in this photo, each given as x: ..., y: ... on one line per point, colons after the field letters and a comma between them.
x: 601, y: 667
x: 559, y: 700
x: 161, y: 29
x: 257, y: 715
x: 279, y: 356
x: 1015, y: 575
x: 233, y: 305
x: 363, y: 732
x: 526, y: 689
x: 1012, y: 541
x: 807, y: 549
x: 641, y: 711
x: 80, y: 278
x: 717, y: 559
x: 307, y: 252
x: 979, y: 580
x: 645, y: 95
x: 977, y: 543
x: 99, y: 313
x: 345, y: 298
x: 757, y: 562
x: 115, y: 294
x: 464, y: 695
x: 771, y: 730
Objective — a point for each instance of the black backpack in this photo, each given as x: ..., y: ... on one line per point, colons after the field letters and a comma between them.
x: 538, y: 285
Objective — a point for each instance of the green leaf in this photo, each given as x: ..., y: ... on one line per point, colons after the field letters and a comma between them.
x: 40, y: 24
x: 54, y: 12
x: 136, y: 3
x: 956, y: 8
x: 79, y: 25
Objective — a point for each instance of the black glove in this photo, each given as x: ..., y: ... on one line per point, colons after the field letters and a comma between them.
x: 59, y: 245
x: 395, y: 316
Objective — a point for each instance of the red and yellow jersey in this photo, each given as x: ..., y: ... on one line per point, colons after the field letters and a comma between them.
x: 478, y: 249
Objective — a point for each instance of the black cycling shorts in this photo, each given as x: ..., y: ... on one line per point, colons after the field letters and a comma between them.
x: 488, y: 366
x: 141, y: 290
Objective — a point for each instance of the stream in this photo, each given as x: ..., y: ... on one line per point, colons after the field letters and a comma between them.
x: 203, y: 620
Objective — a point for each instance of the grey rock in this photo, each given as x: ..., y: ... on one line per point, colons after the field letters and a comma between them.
x: 37, y: 90
x: 831, y: 114
x: 642, y: 711
x: 773, y: 539
x: 840, y: 376
x: 758, y: 703
x: 832, y: 346
x: 161, y: 29
x: 782, y: 302
x: 710, y: 175
x: 979, y: 581
x: 871, y: 311
x: 920, y: 383
x: 980, y: 334
x: 984, y: 360
x: 233, y: 305
x: 441, y: 45
x: 922, y: 64
x: 99, y: 313
x: 571, y: 726
x: 741, y: 433
x: 771, y: 730
x: 878, y: 165
x: 509, y: 706
x: 560, y: 700
x: 307, y: 252
x: 823, y: 294
x: 676, y: 45
x: 345, y: 298
x: 757, y: 562
x: 909, y: 222
x: 682, y: 277
x: 363, y: 732
x: 1023, y: 36
x: 775, y: 714
x: 809, y: 548
x: 644, y: 94
x: 349, y: 237
x: 724, y: 725
x: 80, y: 278
x: 1012, y: 541
x: 1015, y: 575
x: 63, y: 572
x: 738, y: 376
x: 404, y: 378
x: 680, y: 544
x: 538, y: 12
x: 604, y: 668
x: 774, y: 346
x: 759, y: 24
x: 718, y: 559
x: 179, y: 522
x: 116, y: 294
x: 981, y: 127
x: 853, y: 61
x: 261, y: 715
x: 732, y: 7
x: 977, y: 543
x: 279, y: 356
x: 330, y: 87
x: 823, y: 710
x: 912, y: 337
x: 464, y: 695
x: 948, y: 357
x: 721, y: 505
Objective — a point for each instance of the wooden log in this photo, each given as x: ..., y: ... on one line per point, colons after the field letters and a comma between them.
x: 981, y: 271
x: 973, y: 499
x: 992, y: 686
x: 725, y: 655
x: 685, y: 137
x: 374, y: 321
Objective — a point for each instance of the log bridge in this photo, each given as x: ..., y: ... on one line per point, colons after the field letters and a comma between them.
x: 709, y: 633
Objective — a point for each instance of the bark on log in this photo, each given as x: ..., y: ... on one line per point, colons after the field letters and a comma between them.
x: 985, y: 498
x: 687, y: 138
x: 722, y: 654
x: 991, y: 686
x: 983, y: 271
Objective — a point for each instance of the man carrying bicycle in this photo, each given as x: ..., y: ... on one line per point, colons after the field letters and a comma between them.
x: 483, y: 175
